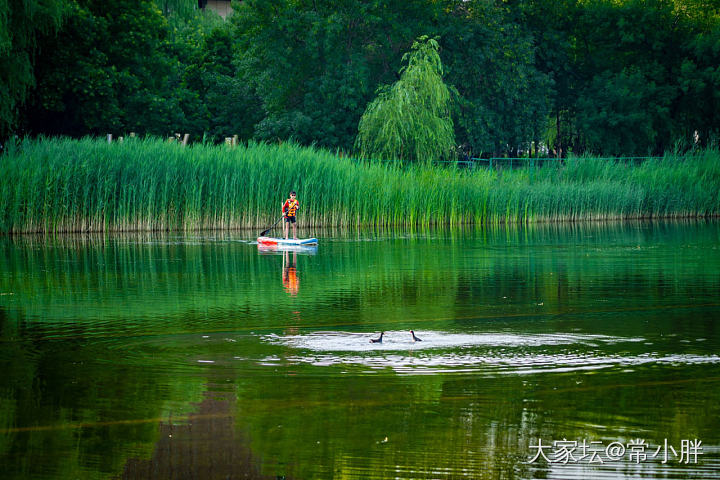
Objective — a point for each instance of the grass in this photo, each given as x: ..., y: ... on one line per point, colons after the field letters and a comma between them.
x: 60, y: 184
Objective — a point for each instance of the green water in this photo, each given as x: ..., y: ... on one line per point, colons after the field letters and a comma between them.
x: 198, y: 356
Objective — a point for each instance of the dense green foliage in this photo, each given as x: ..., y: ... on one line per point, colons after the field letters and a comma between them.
x: 21, y: 22
x: 410, y: 120
x: 130, y: 80
x: 96, y: 82
x: 90, y: 185
x: 504, y: 99
x: 628, y: 77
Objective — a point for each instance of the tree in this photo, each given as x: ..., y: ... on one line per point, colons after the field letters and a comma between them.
x: 410, y: 120
x: 227, y: 104
x: 490, y: 59
x: 698, y: 105
x: 21, y: 22
x: 316, y: 65
x: 629, y: 77
x: 551, y: 26
x: 627, y: 64
x: 616, y: 113
x: 110, y: 69
x: 183, y: 9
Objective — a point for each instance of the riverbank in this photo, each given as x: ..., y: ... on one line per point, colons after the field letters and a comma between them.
x: 64, y: 185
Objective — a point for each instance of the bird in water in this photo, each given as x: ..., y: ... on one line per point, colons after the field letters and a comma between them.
x: 415, y: 339
x: 377, y: 340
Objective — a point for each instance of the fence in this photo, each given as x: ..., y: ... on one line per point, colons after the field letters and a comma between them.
x: 517, y: 162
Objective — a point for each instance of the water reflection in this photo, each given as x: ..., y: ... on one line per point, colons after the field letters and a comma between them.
x: 204, y: 445
x: 289, y: 253
x: 290, y: 279
x: 605, y: 332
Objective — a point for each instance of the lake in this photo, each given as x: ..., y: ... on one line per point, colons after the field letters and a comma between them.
x: 587, y: 350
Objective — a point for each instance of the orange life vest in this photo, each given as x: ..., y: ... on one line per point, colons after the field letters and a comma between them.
x: 291, y: 206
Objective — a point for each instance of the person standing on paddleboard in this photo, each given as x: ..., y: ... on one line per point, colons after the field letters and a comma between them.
x: 288, y: 210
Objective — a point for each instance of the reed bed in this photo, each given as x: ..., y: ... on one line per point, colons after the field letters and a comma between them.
x: 87, y: 185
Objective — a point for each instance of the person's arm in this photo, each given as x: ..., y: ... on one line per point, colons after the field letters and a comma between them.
x: 284, y: 206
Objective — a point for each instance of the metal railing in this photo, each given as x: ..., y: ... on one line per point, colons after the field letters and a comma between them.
x: 518, y: 162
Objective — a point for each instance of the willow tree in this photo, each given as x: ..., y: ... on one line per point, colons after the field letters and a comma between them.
x: 410, y: 119
x: 21, y: 22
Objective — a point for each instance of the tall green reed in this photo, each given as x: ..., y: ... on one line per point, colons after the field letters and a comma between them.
x: 60, y: 184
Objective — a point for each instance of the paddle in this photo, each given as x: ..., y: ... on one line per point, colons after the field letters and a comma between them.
x: 262, y: 234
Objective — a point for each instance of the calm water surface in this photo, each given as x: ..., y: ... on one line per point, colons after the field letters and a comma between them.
x: 200, y: 356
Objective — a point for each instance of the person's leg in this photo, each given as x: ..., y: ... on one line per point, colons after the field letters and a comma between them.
x: 295, y: 230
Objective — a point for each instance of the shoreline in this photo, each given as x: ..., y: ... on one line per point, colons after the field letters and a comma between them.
x: 611, y: 221
x: 65, y: 185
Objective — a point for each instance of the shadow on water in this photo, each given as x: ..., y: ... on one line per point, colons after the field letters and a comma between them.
x: 206, y: 445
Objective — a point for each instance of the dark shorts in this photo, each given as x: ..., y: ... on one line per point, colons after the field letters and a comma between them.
x: 290, y: 219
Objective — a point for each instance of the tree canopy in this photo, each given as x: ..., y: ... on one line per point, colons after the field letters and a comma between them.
x: 21, y: 22
x: 410, y: 120
x: 630, y: 77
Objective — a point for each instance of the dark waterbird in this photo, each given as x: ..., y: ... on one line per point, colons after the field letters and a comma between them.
x: 377, y: 340
x: 415, y: 339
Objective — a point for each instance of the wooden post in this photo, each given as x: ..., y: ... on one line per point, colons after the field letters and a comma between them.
x: 235, y: 140
x: 186, y: 137
x: 171, y: 139
x: 109, y: 137
x: 228, y: 141
x: 132, y: 134
x: 120, y: 139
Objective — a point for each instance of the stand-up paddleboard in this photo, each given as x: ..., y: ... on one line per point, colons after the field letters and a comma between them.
x: 289, y: 241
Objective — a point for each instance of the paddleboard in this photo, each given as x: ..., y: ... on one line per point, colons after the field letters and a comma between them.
x: 289, y: 241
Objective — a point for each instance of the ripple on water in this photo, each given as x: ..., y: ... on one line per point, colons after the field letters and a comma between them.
x: 491, y: 353
x: 402, y: 340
